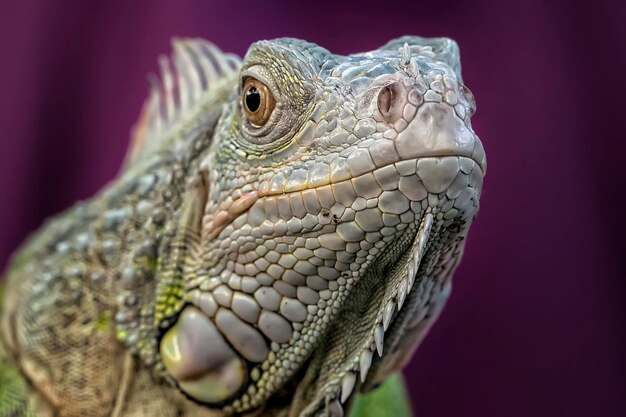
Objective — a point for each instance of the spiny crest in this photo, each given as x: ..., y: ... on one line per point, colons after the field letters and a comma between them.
x: 194, y: 68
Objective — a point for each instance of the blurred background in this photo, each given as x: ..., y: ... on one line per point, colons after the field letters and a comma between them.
x: 536, y: 324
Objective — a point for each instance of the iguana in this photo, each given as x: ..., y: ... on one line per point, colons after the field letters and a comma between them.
x: 282, y: 235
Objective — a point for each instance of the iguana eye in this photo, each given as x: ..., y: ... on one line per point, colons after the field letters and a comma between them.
x: 258, y: 102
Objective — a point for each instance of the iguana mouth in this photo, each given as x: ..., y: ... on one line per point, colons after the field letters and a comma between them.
x: 235, y: 208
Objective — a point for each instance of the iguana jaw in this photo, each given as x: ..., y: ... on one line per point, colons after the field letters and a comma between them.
x: 383, y: 302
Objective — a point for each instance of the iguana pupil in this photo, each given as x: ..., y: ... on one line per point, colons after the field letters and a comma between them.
x: 253, y: 99
x: 258, y: 102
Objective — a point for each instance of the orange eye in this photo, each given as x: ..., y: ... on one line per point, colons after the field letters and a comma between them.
x: 258, y: 102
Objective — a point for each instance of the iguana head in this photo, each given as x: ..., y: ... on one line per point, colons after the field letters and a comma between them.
x: 323, y: 223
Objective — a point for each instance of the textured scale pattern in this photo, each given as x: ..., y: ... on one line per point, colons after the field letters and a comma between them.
x: 238, y: 269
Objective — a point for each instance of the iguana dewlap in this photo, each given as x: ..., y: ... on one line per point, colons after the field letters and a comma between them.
x: 282, y: 236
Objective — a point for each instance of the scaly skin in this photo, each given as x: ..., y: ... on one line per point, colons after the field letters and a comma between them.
x: 237, y: 269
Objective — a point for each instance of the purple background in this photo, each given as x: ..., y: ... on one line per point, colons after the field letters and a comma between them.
x: 535, y: 326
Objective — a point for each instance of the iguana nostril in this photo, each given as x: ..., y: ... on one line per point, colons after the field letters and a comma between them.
x: 384, y: 100
x: 388, y: 102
